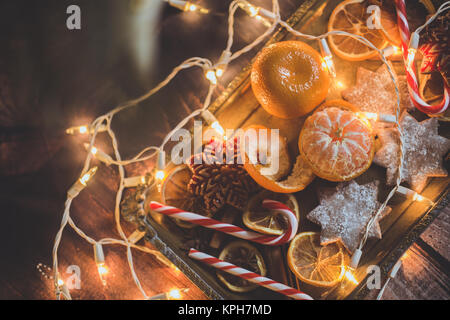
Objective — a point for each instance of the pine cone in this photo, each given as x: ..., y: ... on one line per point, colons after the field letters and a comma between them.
x: 220, y: 182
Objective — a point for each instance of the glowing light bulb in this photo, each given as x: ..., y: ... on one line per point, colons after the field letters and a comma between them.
x: 94, y: 150
x: 161, y: 165
x: 412, y: 49
x: 77, y: 130
x: 99, y: 154
x: 350, y: 276
x: 223, y: 63
x: 216, y: 126
x: 369, y: 115
x: 84, y: 129
x: 175, y: 294
x: 60, y: 282
x: 160, y: 174
x: 211, y: 76
x: 391, y: 50
x: 102, y: 272
x: 256, y: 12
x: 81, y: 183
x: 100, y: 261
x: 327, y: 58
x: 195, y: 8
x: 253, y: 12
x: 340, y: 84
x: 404, y: 256
x: 219, y: 72
x: 214, y: 123
x: 413, y: 195
x: 388, y: 118
x: 88, y: 175
x: 411, y: 56
x: 187, y: 6
x: 131, y: 182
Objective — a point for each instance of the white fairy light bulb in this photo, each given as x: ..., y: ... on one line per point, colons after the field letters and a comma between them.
x: 223, y: 63
x: 187, y: 6
x: 210, y: 74
x: 62, y: 289
x: 60, y: 282
x: 350, y: 276
x: 413, y: 195
x: 174, y: 294
x: 160, y: 166
x: 81, y: 183
x: 213, y: 122
x: 340, y: 84
x: 256, y: 12
x: 412, y: 49
x: 132, y: 182
x: 327, y: 57
x: 355, y: 259
x: 99, y: 154
x: 84, y: 129
x: 77, y: 130
x: 391, y: 50
x: 100, y: 261
x: 388, y: 118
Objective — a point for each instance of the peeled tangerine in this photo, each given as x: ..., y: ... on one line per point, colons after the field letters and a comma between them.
x: 284, y: 177
x: 337, y: 143
x: 289, y: 79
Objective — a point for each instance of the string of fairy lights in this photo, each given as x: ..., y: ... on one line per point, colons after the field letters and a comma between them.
x: 212, y: 72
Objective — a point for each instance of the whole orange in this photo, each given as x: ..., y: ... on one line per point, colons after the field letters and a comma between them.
x: 289, y: 79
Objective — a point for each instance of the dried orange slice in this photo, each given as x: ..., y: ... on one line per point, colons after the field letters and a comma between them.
x: 286, y: 178
x: 337, y: 144
x: 389, y: 25
x: 265, y: 221
x: 321, y: 266
x: 174, y: 193
x: 246, y: 256
x: 351, y: 16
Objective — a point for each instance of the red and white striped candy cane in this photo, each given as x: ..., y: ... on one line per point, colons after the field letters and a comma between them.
x: 410, y: 70
x: 248, y: 275
x: 232, y: 229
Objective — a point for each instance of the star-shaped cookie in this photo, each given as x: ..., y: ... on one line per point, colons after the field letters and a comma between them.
x: 423, y: 148
x: 344, y: 214
x: 375, y: 92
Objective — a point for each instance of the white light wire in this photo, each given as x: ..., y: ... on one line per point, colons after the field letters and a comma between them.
x: 206, y: 65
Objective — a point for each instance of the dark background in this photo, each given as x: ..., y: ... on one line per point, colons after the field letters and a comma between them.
x: 52, y: 78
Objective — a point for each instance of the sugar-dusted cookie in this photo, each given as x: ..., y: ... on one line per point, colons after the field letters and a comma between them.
x: 344, y: 213
x: 375, y: 92
x: 423, y: 148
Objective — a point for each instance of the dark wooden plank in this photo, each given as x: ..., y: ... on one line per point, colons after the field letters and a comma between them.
x: 421, y: 277
x: 438, y: 233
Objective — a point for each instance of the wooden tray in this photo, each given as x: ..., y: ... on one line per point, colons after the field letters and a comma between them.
x: 238, y: 108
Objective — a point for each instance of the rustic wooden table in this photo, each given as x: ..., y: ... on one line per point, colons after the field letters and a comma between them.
x: 51, y: 77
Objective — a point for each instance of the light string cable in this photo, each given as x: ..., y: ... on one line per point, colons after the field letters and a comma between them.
x: 96, y: 125
x: 151, y: 151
